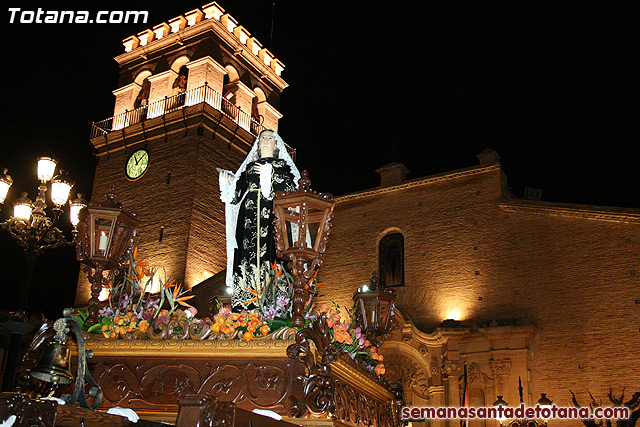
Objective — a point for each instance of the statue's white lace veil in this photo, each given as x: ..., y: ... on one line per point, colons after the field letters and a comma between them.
x: 283, y: 154
x: 227, y: 192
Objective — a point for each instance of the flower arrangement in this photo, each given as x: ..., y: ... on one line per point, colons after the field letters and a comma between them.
x: 274, y: 298
x: 245, y: 325
x: 131, y: 308
x: 350, y: 338
x: 133, y: 312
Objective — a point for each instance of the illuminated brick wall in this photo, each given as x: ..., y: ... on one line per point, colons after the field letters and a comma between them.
x: 569, y: 270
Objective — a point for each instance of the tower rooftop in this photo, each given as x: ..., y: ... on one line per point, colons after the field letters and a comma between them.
x: 195, y: 23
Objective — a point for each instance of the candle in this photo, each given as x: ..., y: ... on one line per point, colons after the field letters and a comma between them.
x: 102, y: 243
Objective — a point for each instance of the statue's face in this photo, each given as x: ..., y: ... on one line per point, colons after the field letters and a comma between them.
x: 267, y: 144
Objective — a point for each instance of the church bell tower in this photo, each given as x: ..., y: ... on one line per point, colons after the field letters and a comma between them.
x: 193, y: 94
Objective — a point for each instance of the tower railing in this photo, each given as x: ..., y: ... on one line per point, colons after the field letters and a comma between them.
x: 172, y: 103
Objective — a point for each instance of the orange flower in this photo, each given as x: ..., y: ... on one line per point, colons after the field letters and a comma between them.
x: 178, y: 296
x: 143, y: 326
x: 247, y: 336
x: 380, y: 369
x: 323, y: 309
x: 170, y: 283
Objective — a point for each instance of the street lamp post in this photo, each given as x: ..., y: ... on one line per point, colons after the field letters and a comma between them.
x: 30, y: 225
x: 524, y: 422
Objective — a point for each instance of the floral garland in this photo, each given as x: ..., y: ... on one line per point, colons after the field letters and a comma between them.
x: 349, y: 338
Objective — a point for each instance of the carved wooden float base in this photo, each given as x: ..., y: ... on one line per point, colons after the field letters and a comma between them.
x: 306, y: 383
x: 150, y: 377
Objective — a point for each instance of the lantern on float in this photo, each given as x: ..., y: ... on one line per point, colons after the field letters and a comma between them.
x: 301, y: 227
x: 105, y: 235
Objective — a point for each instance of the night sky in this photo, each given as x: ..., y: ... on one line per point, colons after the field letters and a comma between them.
x: 553, y: 88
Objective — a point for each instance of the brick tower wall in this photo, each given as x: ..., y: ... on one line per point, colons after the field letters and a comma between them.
x: 187, y: 204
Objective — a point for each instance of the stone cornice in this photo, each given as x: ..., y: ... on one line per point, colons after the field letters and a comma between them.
x: 447, y: 176
x: 599, y: 213
x: 491, y: 333
x: 123, y: 89
x: 409, y: 332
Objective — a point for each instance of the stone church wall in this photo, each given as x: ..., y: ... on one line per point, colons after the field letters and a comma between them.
x: 570, y: 271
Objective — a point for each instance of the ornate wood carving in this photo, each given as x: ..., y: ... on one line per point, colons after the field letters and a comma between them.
x: 27, y: 411
x: 154, y: 375
x: 318, y: 383
x: 157, y: 385
x: 199, y: 410
x: 338, y: 387
x: 354, y: 407
x: 47, y: 413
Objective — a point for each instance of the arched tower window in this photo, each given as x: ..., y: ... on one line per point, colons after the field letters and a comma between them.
x: 142, y: 79
x: 229, y: 97
x: 179, y: 85
x: 391, y: 259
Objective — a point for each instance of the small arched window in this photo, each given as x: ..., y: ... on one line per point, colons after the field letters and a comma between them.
x: 391, y: 260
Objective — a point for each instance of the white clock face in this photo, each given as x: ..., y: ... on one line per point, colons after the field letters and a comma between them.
x: 137, y: 164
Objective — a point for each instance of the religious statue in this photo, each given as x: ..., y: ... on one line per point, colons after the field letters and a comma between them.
x: 248, y: 197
